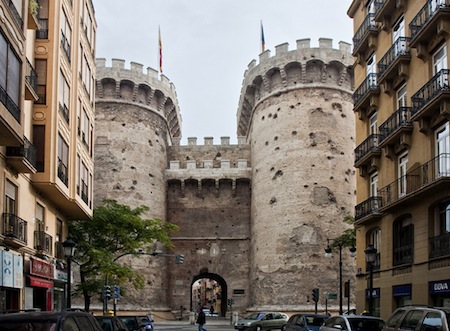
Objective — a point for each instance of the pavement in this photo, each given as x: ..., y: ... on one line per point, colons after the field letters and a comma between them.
x: 219, y: 324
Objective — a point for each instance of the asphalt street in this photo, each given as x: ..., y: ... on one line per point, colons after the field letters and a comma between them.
x: 216, y: 325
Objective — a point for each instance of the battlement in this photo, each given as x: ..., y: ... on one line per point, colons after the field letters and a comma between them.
x: 142, y: 88
x: 208, y: 141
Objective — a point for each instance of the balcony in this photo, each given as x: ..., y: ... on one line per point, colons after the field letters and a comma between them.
x: 431, y: 102
x: 62, y: 172
x: 23, y: 157
x: 33, y: 8
x: 367, y: 154
x: 425, y: 180
x: 430, y: 23
x: 10, y: 105
x: 394, y: 65
x: 15, y: 14
x: 395, y: 132
x: 385, y: 10
x: 43, y: 242
x: 365, y: 37
x: 15, y: 230
x: 368, y: 210
x: 366, y: 95
x: 403, y: 255
x: 440, y: 246
x: 64, y: 111
x: 42, y: 33
x: 30, y: 82
x: 59, y: 250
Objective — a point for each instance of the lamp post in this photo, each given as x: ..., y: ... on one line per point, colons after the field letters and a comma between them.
x: 69, y: 249
x: 339, y: 244
x: 371, y: 255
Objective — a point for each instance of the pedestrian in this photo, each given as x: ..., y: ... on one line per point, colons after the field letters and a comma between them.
x: 201, y: 320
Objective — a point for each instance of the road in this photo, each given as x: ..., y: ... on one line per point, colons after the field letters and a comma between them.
x: 216, y: 325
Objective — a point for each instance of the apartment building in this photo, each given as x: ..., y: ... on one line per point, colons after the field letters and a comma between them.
x: 47, y: 52
x: 401, y: 103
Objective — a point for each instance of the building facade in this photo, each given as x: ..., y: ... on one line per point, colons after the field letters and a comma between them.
x: 402, y: 153
x: 254, y: 217
x: 46, y: 143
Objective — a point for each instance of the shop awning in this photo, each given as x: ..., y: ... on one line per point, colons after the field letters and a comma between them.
x: 40, y: 282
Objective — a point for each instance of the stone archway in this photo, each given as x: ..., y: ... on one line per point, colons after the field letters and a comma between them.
x: 205, y: 274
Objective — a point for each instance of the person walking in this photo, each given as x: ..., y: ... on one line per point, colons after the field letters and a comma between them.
x: 201, y: 320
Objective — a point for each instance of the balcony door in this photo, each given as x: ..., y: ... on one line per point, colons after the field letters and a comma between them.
x: 442, y: 137
x: 374, y: 189
x: 439, y: 64
x: 402, y: 168
x: 401, y: 104
x: 398, y: 34
x: 371, y: 70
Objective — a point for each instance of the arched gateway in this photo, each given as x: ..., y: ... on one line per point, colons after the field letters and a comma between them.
x: 217, y: 297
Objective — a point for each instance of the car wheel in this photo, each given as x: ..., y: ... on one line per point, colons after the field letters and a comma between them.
x: 258, y: 328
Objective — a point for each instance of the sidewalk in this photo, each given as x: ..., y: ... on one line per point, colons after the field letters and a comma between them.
x: 209, y: 321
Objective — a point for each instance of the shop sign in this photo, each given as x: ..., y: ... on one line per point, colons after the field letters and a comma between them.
x: 375, y: 293
x: 60, y: 275
x: 41, y: 268
x: 7, y: 269
x: 442, y: 286
x: 18, y: 271
x: 11, y: 274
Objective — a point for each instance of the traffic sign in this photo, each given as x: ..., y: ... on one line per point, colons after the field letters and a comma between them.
x: 116, y: 292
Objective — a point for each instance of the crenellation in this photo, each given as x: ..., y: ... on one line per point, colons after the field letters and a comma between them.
x: 208, y: 164
x: 100, y: 62
x: 209, y: 141
x: 281, y: 49
x: 152, y: 73
x: 325, y: 43
x: 118, y: 63
x: 303, y: 43
x: 136, y: 67
x: 224, y: 141
x: 192, y: 141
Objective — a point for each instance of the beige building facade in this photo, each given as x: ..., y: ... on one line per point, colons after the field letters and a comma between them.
x: 402, y: 154
x: 46, y: 143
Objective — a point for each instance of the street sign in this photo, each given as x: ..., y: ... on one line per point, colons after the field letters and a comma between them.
x: 332, y: 296
x: 116, y: 292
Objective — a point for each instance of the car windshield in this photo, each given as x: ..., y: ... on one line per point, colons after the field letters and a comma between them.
x: 366, y: 324
x: 314, y: 320
x: 255, y: 316
x: 21, y: 325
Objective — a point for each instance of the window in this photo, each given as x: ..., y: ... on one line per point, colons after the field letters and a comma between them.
x: 41, y: 71
x: 411, y: 320
x: 84, y: 183
x: 87, y: 23
x: 373, y: 124
x: 39, y: 144
x: 66, y: 35
x: 432, y: 321
x: 398, y: 37
x: 64, y: 94
x: 85, y: 125
x: 371, y: 70
x: 10, y: 72
x: 442, y: 138
x: 10, y: 198
x: 63, y: 160
x: 440, y: 60
x: 444, y: 217
x: 375, y: 240
x: 39, y: 228
x: 402, y: 168
x: 403, y: 241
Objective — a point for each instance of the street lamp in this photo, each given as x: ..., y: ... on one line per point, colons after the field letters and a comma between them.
x: 328, y: 250
x: 69, y: 250
x: 371, y: 256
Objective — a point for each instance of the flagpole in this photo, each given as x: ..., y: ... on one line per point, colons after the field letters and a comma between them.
x: 160, y: 50
x: 262, y: 39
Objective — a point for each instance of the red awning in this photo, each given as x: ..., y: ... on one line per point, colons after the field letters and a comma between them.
x: 40, y: 282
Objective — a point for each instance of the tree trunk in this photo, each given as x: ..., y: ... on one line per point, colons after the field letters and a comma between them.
x: 87, y: 297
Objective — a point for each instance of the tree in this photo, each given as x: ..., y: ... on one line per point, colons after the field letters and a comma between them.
x: 114, y: 231
x: 348, y: 237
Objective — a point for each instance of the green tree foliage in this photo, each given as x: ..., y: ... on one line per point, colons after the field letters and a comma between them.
x: 116, y: 230
x: 348, y: 237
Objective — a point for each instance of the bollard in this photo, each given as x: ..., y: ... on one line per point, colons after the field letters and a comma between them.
x: 191, y: 317
x: 235, y: 318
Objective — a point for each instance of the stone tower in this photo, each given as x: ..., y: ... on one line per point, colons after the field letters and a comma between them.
x: 137, y: 116
x: 295, y: 111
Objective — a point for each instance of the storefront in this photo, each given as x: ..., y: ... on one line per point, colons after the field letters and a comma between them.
x: 402, y: 294
x: 39, y: 289
x: 60, y: 282
x: 11, y: 279
x: 440, y: 293
x: 375, y: 300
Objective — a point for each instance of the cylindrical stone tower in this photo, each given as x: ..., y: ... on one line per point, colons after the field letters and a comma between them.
x: 137, y: 116
x: 296, y: 112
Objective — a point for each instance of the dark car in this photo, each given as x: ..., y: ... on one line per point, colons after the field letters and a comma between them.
x: 111, y: 323
x: 138, y: 323
x: 262, y: 321
x: 305, y: 322
x: 68, y: 319
x: 419, y: 318
x: 352, y: 323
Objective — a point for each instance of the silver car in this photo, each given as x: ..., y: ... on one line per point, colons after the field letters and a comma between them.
x: 262, y: 321
x: 352, y: 323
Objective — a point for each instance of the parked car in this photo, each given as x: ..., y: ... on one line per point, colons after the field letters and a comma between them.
x: 305, y: 322
x: 137, y: 323
x: 111, y: 323
x: 262, y: 321
x: 421, y: 318
x: 353, y: 323
x: 67, y: 319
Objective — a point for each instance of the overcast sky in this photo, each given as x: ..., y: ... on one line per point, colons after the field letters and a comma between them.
x: 207, y: 45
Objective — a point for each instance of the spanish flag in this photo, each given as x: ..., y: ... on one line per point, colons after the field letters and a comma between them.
x: 263, y: 43
x: 160, y: 50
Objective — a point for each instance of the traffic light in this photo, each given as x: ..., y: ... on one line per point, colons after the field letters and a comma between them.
x: 108, y: 292
x: 179, y: 259
x: 315, y: 294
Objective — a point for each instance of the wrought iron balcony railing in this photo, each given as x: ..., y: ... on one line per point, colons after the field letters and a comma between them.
x: 43, y: 242
x: 62, y: 172
x: 400, y: 119
x: 369, y: 84
x: 367, y: 207
x: 59, y: 250
x: 419, y: 22
x: 367, y: 25
x: 6, y: 100
x: 370, y: 144
x: 440, y: 245
x: 42, y: 33
x: 27, y: 150
x: 14, y: 227
x: 398, y: 49
x: 31, y: 76
x: 403, y: 255
x: 65, y: 45
x: 16, y: 15
x: 435, y: 86
x: 64, y: 112
x: 84, y: 191
x: 432, y: 171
